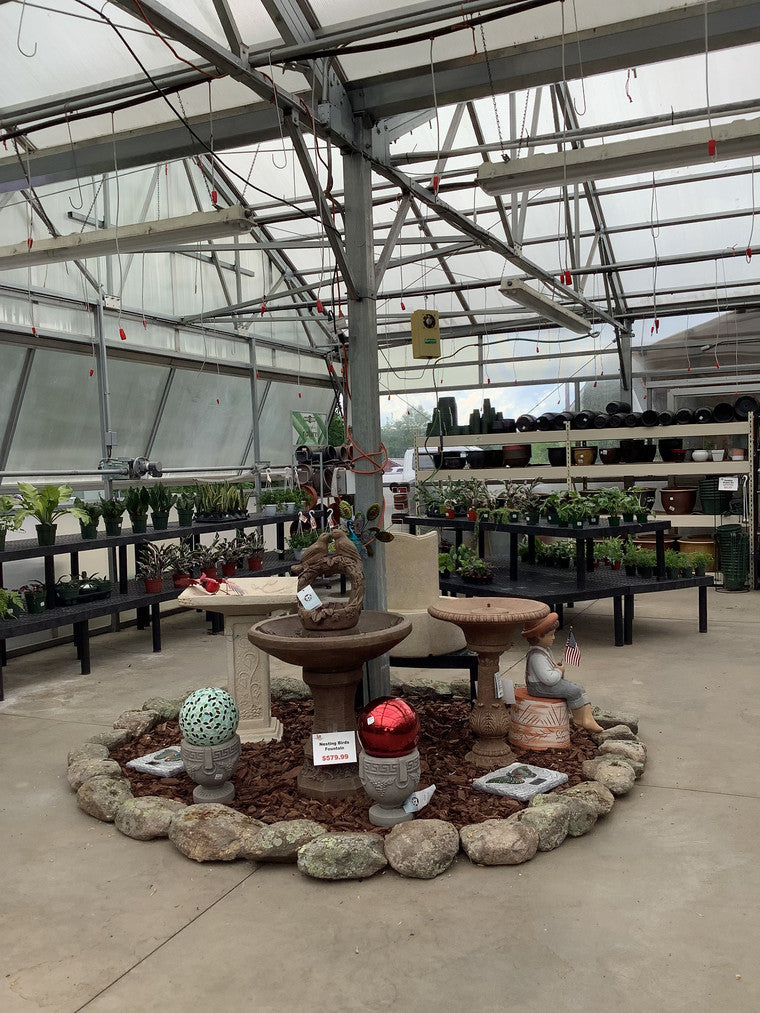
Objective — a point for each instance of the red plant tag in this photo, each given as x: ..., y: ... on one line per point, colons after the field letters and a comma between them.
x: 214, y: 196
x: 711, y: 147
x: 122, y: 334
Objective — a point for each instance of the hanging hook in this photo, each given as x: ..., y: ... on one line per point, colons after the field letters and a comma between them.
x: 80, y: 205
x: 18, y: 37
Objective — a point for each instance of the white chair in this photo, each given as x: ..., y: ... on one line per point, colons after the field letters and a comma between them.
x: 411, y: 564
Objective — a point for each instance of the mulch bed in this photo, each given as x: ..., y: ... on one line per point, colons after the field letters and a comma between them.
x: 265, y: 779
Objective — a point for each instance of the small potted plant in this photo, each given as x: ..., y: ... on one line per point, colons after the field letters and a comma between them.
x: 672, y: 563
x: 646, y: 561
x: 685, y: 564
x: 301, y: 540
x: 630, y: 559
x: 113, y: 511
x: 34, y: 597
x: 252, y: 548
x: 153, y: 562
x: 207, y: 556
x: 45, y: 505
x: 447, y: 561
x: 185, y: 505
x: 161, y: 501
x: 230, y: 555
x: 9, y: 519
x: 137, y: 502
x: 701, y: 561
x: 11, y: 604
x: 471, y: 568
x: 613, y: 552
x: 181, y: 562
x: 94, y: 511
x: 268, y: 500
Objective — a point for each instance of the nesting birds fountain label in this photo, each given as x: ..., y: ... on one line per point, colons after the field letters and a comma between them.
x: 334, y: 747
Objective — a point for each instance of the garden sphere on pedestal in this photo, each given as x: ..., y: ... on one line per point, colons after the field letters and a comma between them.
x: 389, y: 765
x: 210, y: 747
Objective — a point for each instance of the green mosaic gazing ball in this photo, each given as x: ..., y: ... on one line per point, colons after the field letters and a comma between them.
x: 208, y: 717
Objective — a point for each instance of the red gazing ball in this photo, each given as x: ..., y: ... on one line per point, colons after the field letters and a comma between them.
x: 388, y: 727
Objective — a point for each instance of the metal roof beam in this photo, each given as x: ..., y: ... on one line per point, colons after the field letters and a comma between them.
x: 665, y: 35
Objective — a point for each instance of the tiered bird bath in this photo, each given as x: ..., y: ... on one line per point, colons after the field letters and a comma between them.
x: 489, y: 624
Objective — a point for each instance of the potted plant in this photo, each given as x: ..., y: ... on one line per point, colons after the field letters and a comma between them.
x: 184, y: 504
x: 233, y: 501
x: 231, y: 554
x: 252, y: 548
x: 447, y: 561
x: 471, y: 568
x: 301, y: 540
x: 161, y: 501
x: 629, y: 504
x: 672, y: 563
x: 11, y: 604
x: 181, y: 561
x: 701, y: 561
x: 613, y: 552
x: 45, y: 505
x: 153, y: 562
x: 137, y: 502
x: 94, y: 511
x: 268, y: 500
x: 9, y: 519
x: 72, y: 589
x: 646, y: 561
x: 34, y: 597
x: 430, y: 499
x: 685, y: 564
x: 112, y: 510
x: 207, y: 556
x: 630, y: 559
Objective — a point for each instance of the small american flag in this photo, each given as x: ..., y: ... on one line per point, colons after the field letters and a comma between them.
x: 572, y: 651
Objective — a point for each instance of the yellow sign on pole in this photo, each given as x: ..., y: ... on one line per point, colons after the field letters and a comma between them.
x: 426, y: 334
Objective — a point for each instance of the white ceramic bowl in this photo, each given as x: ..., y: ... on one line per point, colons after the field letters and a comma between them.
x: 700, y: 455
x: 717, y: 455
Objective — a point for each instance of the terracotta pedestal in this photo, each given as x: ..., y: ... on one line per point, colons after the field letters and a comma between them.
x: 247, y: 666
x: 489, y: 625
x: 332, y: 664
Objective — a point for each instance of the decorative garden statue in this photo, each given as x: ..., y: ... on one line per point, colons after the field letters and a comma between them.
x: 545, y: 678
x: 210, y: 746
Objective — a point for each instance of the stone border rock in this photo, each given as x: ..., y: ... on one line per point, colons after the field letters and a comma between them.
x: 420, y: 849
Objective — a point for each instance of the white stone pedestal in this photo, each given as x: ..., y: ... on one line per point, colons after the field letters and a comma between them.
x: 247, y: 666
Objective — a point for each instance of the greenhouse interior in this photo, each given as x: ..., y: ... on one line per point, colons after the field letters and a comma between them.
x: 333, y: 343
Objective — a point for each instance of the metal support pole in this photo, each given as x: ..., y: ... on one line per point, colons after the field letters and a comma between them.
x: 363, y: 373
x: 256, y: 436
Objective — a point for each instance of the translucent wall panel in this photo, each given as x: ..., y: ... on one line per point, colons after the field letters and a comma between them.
x: 275, y: 425
x: 59, y: 422
x: 136, y: 390
x: 206, y: 421
x: 11, y: 362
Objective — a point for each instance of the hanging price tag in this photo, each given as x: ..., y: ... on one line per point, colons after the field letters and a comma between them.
x: 728, y: 483
x: 309, y: 598
x: 419, y: 800
x: 507, y: 690
x: 333, y: 747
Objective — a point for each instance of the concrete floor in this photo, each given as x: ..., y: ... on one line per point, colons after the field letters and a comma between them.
x: 656, y: 909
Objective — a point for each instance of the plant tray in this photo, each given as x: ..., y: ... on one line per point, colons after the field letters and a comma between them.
x: 63, y: 601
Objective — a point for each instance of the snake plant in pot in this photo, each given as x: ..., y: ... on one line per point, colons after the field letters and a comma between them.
x: 161, y: 501
x: 113, y: 511
x: 45, y: 504
x: 137, y: 501
x: 94, y: 512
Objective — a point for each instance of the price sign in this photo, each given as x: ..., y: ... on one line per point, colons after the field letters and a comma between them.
x: 333, y: 747
x: 309, y: 598
x: 419, y: 800
x: 728, y: 483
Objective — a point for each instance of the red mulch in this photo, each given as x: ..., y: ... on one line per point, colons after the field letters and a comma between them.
x: 265, y: 779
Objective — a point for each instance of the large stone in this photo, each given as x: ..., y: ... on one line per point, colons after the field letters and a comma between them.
x: 113, y: 738
x: 147, y: 817
x: 210, y: 832
x: 87, y: 751
x: 284, y: 687
x: 167, y: 709
x: 595, y: 793
x: 499, y: 842
x: 83, y: 770
x: 279, y: 842
x: 342, y: 856
x: 616, y: 732
x: 137, y: 722
x: 608, y: 719
x: 613, y: 772
x: 101, y: 796
x: 634, y: 752
x: 550, y: 821
x: 583, y: 813
x: 422, y: 849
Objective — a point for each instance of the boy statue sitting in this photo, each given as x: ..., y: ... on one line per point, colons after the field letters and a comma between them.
x: 544, y: 678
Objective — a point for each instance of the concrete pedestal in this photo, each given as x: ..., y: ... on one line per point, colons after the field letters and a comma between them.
x: 247, y: 666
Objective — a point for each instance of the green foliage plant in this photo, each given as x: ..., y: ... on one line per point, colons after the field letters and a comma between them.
x: 45, y: 503
x: 137, y: 501
x: 11, y: 604
x: 161, y: 498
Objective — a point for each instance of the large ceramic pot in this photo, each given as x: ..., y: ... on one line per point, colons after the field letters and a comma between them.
x: 516, y: 455
x: 678, y: 501
x: 667, y: 445
x: 557, y: 456
x: 583, y: 456
x: 609, y: 455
